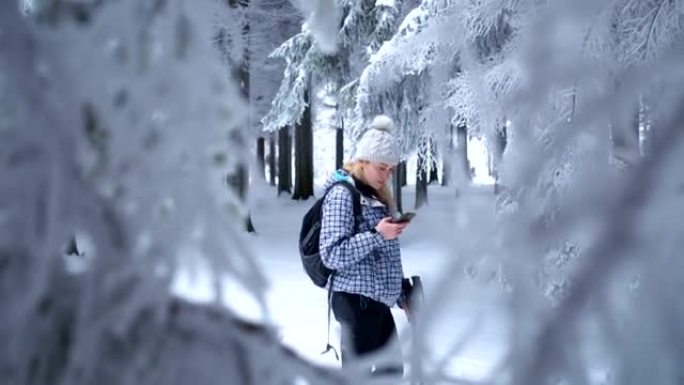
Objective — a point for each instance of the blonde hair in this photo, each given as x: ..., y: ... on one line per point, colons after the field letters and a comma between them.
x: 384, y: 194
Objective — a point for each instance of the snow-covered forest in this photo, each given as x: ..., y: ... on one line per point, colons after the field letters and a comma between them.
x: 156, y: 158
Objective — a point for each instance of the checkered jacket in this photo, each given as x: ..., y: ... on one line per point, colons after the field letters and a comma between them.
x: 363, y: 263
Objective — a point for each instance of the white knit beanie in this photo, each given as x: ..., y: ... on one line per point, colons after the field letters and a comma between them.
x: 378, y: 144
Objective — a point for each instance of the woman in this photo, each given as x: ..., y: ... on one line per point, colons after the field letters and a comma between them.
x: 366, y: 261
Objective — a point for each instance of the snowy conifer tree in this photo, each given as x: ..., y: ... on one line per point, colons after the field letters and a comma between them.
x: 363, y: 26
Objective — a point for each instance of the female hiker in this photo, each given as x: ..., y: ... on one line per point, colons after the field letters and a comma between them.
x: 364, y: 255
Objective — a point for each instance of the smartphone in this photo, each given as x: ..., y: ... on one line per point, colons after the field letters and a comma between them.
x: 403, y: 218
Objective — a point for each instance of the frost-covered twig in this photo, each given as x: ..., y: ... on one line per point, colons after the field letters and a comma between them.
x: 605, y: 255
x: 108, y: 315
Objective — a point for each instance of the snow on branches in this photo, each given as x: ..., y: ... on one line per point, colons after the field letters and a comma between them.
x: 116, y: 140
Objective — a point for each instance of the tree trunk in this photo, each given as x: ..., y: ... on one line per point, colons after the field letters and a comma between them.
x: 238, y: 181
x: 434, y: 176
x: 500, y: 147
x: 303, y: 188
x: 243, y: 187
x: 261, y: 157
x: 421, y: 185
x: 448, y: 159
x: 396, y: 186
x: 446, y: 168
x: 271, y: 159
x: 434, y: 172
x: 284, y: 161
x: 462, y: 151
x: 422, y: 172
x: 339, y: 147
x: 402, y: 173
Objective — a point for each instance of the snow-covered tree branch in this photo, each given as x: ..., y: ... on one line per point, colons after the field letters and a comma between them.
x: 115, y: 134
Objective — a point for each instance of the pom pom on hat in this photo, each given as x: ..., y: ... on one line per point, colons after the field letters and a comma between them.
x: 383, y: 123
x: 378, y: 144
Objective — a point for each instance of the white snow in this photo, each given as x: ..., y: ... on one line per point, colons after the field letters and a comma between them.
x: 322, y: 22
x: 299, y: 309
x: 386, y: 3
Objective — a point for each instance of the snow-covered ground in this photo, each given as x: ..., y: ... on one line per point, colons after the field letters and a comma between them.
x: 299, y: 309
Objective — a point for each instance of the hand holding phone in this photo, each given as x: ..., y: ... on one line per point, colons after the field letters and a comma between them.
x: 403, y: 218
x: 390, y: 229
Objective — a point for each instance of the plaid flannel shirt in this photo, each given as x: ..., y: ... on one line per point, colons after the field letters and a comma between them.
x: 363, y: 262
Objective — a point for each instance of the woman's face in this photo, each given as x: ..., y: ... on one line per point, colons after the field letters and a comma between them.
x: 377, y: 174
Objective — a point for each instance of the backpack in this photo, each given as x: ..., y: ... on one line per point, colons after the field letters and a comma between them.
x: 310, y: 234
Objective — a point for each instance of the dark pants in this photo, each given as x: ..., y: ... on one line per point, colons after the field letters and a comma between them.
x: 367, y: 326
